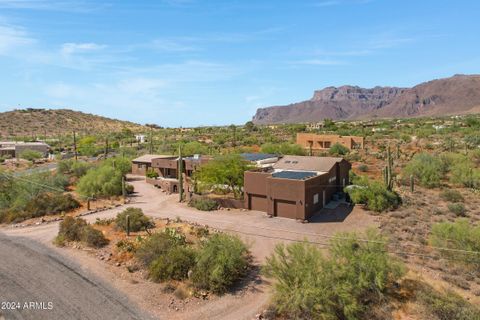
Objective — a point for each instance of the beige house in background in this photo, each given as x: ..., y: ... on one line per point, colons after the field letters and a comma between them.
x: 315, y: 143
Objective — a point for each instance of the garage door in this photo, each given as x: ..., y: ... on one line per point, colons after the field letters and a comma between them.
x: 257, y: 202
x: 286, y: 209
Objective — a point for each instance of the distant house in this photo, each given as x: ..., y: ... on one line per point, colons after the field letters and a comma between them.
x: 140, y: 138
x: 166, y: 167
x: 315, y: 143
x: 295, y: 187
x: 14, y: 149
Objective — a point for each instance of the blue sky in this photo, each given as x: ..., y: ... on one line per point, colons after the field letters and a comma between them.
x: 192, y: 62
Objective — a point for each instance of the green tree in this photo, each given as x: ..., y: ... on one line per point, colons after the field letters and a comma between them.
x: 86, y: 146
x: 104, y: 181
x: 224, y: 173
x: 194, y: 147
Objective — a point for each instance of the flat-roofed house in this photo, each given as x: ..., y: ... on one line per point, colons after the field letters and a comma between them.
x: 15, y: 148
x: 295, y: 186
x: 315, y: 143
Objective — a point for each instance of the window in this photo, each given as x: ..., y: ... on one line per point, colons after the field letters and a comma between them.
x: 315, y: 198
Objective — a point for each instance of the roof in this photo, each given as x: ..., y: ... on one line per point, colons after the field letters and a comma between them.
x: 300, y: 163
x: 258, y: 156
x: 147, y: 158
x: 294, y: 175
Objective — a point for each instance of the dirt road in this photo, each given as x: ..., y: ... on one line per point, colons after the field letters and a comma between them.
x: 37, y: 283
x: 259, y: 231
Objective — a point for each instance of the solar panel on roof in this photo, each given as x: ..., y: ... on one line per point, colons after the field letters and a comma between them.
x: 257, y: 156
x: 294, y: 175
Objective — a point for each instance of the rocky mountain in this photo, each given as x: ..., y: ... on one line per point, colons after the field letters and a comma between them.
x: 54, y: 122
x: 459, y: 94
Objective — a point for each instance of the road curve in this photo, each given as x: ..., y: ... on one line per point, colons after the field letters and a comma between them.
x: 41, y: 284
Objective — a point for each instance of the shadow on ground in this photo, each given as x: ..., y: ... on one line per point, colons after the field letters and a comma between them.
x: 339, y: 214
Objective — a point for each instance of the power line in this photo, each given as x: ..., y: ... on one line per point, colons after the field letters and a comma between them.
x: 32, y: 182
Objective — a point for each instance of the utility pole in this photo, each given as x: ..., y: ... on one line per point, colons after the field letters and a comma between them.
x: 151, y: 141
x: 106, y: 147
x: 180, y: 174
x: 75, y: 145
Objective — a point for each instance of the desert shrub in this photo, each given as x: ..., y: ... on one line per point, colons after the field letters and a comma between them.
x: 152, y: 174
x: 446, y: 306
x: 451, y: 195
x: 457, y: 235
x: 203, y: 204
x: 93, y: 237
x: 283, y: 148
x: 153, y: 247
x: 123, y: 165
x: 80, y: 168
x: 31, y: 155
x: 374, y: 195
x: 457, y: 208
x: 427, y: 169
x: 221, y: 261
x: 49, y: 203
x: 177, y: 237
x: 311, y: 286
x: 77, y: 229
x: 65, y: 166
x: 129, y: 188
x: 338, y: 149
x: 464, y: 173
x: 172, y: 265
x: 138, y: 221
x: 363, y: 168
x: 72, y: 228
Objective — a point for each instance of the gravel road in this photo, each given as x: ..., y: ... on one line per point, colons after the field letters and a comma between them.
x: 37, y: 283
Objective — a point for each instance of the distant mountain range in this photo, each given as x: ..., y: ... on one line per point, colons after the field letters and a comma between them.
x: 456, y: 95
x: 54, y: 122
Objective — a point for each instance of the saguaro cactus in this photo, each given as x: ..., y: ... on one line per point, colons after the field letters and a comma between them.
x: 388, y: 175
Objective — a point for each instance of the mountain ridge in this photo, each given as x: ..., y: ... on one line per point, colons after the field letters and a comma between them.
x: 459, y: 94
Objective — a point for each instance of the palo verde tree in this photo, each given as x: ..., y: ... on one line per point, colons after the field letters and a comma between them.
x: 223, y: 174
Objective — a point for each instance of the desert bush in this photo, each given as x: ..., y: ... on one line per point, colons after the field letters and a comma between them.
x: 152, y: 174
x: 80, y: 168
x: 311, y: 286
x: 283, y: 148
x: 374, y: 195
x: 77, y: 229
x: 93, y: 238
x: 138, y: 221
x: 457, y: 235
x: 172, y: 265
x: 451, y: 195
x: 221, y: 261
x: 153, y: 247
x: 427, y: 169
x: 457, y: 208
x: 338, y: 149
x: 31, y: 155
x: 203, y: 204
x: 464, y: 173
x: 129, y: 188
x: 446, y: 306
x: 363, y: 168
x: 49, y: 203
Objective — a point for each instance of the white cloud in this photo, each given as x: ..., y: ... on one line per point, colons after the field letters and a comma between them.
x: 73, y: 48
x: 12, y: 38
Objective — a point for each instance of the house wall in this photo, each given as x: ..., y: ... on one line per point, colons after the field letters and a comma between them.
x: 319, y: 142
x: 140, y: 168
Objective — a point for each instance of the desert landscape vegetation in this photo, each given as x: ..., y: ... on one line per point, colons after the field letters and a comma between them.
x: 409, y: 249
